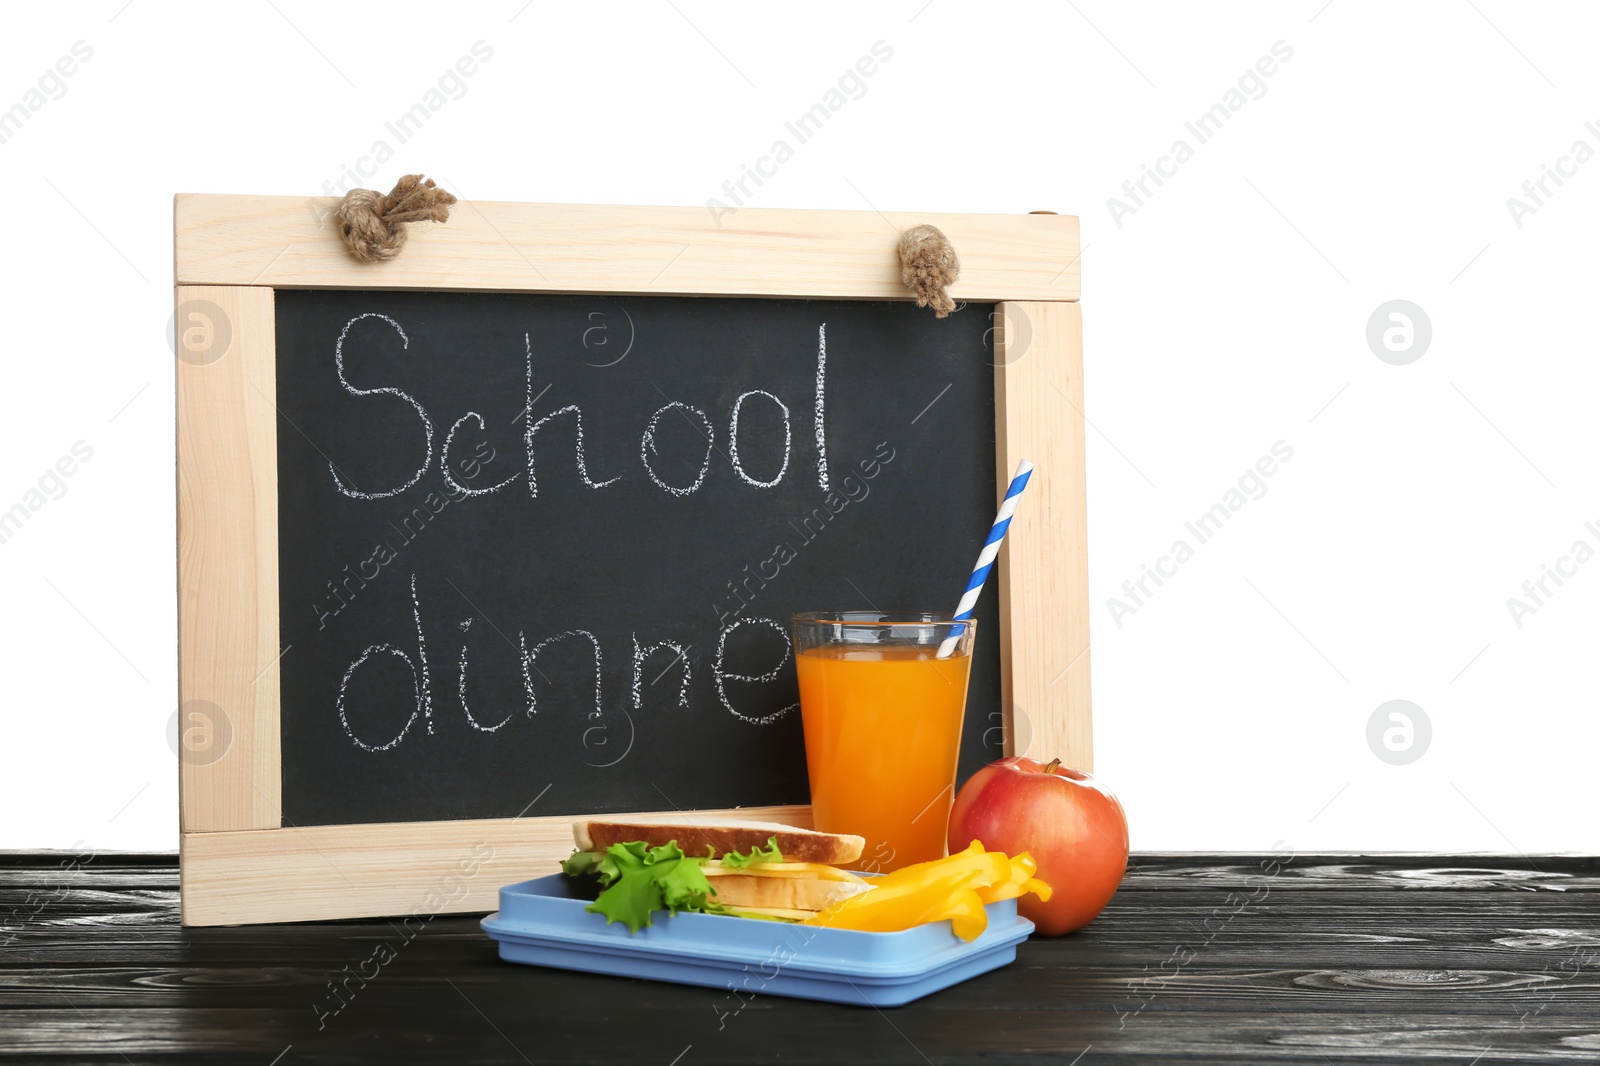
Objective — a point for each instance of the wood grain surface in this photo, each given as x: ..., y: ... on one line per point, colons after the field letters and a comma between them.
x: 289, y: 242
x: 309, y: 873
x: 228, y: 559
x: 1044, y: 560
x: 1304, y: 959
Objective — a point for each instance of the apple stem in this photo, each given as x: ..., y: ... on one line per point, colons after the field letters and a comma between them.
x: 1052, y: 767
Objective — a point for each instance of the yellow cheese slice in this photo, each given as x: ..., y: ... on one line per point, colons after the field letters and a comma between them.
x: 818, y: 871
x: 774, y: 912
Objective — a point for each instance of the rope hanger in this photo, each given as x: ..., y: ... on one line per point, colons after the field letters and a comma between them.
x: 373, y: 228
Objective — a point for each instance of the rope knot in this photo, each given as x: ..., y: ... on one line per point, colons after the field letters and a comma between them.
x: 928, y: 264
x: 373, y: 226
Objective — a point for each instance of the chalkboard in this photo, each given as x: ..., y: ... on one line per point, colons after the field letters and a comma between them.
x: 545, y: 547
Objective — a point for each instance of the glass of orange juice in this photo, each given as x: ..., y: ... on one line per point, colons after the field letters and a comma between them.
x: 882, y: 715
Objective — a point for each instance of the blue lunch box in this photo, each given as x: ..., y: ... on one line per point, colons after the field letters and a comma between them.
x: 542, y: 922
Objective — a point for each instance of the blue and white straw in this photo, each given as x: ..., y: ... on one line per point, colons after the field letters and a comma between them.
x: 991, y: 548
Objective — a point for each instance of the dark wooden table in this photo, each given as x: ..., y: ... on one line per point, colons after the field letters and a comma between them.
x: 1198, y: 959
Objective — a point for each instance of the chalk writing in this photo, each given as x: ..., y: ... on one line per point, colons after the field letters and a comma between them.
x: 733, y: 440
x: 427, y: 426
x: 822, y: 434
x: 647, y: 445
x: 721, y: 676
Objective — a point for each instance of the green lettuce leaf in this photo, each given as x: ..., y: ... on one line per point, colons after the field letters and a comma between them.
x: 640, y: 880
x: 580, y: 863
x: 735, y: 861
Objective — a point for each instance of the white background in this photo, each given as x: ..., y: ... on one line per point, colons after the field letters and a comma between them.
x: 1227, y: 313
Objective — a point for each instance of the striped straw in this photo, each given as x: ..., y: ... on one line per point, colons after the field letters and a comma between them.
x: 991, y: 548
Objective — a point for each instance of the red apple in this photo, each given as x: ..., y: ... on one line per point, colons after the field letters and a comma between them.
x: 1069, y: 822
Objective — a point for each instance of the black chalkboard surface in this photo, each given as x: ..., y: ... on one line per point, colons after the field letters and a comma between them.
x: 546, y: 547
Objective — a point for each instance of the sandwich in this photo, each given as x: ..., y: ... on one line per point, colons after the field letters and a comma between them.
x: 712, y: 865
x: 781, y: 873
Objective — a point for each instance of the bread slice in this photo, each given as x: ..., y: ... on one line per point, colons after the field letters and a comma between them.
x: 783, y: 893
x: 694, y: 835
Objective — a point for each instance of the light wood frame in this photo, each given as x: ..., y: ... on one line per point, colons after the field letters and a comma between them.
x: 240, y: 862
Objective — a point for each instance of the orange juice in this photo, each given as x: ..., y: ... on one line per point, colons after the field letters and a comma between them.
x: 883, y: 732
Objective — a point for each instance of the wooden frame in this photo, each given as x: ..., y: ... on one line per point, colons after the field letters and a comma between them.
x: 239, y: 861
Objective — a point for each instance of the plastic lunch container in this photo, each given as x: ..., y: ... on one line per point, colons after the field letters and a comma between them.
x: 542, y: 922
